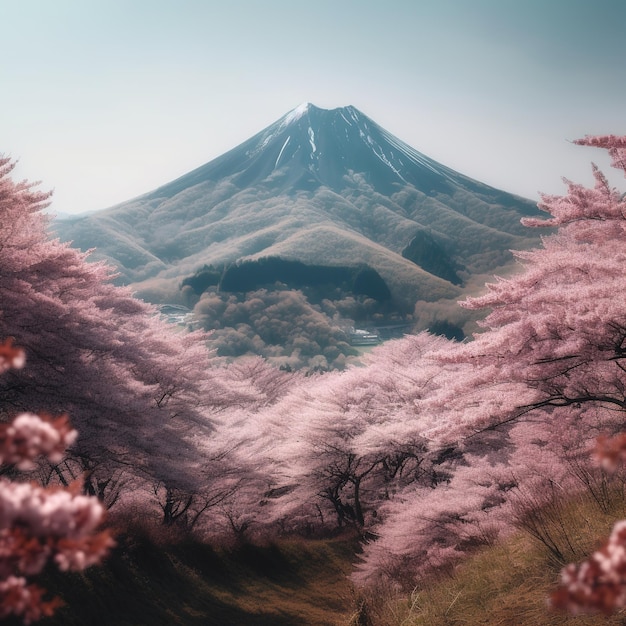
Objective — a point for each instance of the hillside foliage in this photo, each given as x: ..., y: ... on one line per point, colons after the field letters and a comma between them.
x: 297, y: 316
x: 430, y: 449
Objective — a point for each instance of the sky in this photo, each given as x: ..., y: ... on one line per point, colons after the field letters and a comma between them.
x: 104, y: 100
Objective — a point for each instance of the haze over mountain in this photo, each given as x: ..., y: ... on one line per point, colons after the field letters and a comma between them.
x: 323, y: 187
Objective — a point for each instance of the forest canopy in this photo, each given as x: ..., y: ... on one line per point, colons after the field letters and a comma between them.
x: 296, y: 315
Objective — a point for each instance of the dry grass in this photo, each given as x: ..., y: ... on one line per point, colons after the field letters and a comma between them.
x: 188, y: 582
x: 300, y: 582
x: 508, y: 584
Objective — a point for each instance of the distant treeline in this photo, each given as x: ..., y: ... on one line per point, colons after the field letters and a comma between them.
x: 207, y: 276
x: 424, y: 251
x: 250, y: 275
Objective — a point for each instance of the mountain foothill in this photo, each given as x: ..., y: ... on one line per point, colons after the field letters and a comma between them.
x: 310, y: 203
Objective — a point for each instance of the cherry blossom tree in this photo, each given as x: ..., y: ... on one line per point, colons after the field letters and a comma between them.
x: 240, y: 449
x: 559, y: 329
x: 342, y: 443
x: 560, y: 325
x: 139, y: 392
x: 524, y: 401
x: 479, y: 495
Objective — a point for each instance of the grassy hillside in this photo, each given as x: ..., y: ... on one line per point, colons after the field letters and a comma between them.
x: 305, y: 582
x: 188, y: 582
x: 509, y: 583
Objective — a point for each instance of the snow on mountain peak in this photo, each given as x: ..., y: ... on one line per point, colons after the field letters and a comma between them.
x: 328, y: 140
x: 297, y: 113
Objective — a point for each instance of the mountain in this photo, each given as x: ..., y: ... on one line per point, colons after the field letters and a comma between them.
x: 321, y: 187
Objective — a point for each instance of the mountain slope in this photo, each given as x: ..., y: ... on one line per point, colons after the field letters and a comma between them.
x: 322, y: 186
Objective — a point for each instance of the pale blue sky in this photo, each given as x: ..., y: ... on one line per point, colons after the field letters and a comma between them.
x: 105, y: 100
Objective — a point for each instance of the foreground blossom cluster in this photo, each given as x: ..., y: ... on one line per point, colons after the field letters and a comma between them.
x: 31, y: 436
x: 611, y: 451
x: 11, y: 356
x: 599, y: 583
x: 40, y: 525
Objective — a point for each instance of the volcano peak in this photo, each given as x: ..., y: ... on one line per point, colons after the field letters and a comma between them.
x: 316, y: 184
x: 298, y: 112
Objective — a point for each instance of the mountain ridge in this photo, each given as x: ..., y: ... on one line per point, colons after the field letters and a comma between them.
x: 317, y: 184
x: 346, y: 122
